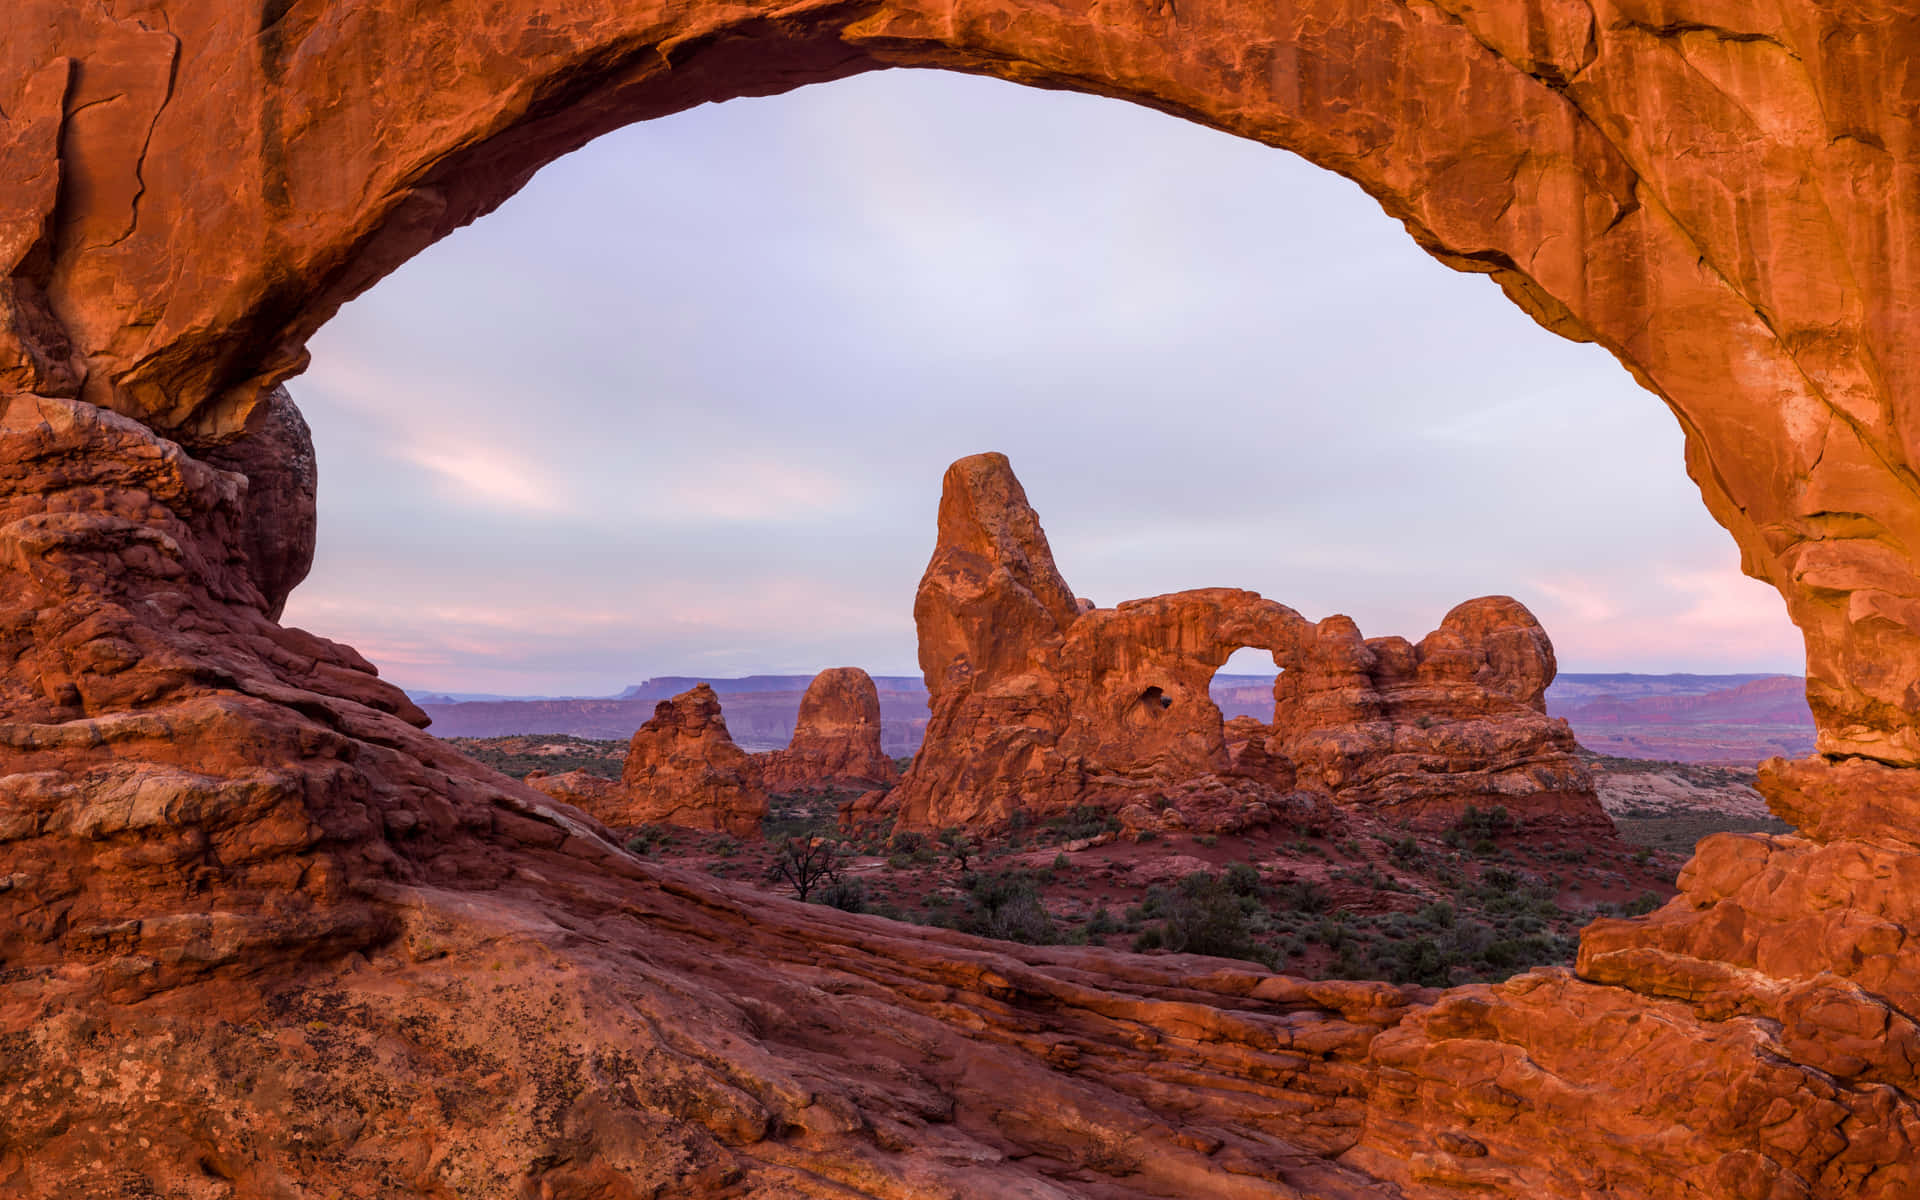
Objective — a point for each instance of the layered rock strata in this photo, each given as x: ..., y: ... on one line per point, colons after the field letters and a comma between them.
x: 1041, y: 703
x: 260, y: 935
x: 836, y: 739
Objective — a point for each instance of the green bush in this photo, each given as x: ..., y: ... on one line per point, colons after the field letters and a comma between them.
x: 844, y: 893
x: 1642, y: 904
x: 1084, y: 821
x: 648, y: 838
x: 1006, y: 905
x: 1203, y: 915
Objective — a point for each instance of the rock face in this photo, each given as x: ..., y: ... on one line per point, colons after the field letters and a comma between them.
x: 584, y: 790
x: 261, y: 936
x: 280, y: 518
x: 1041, y: 704
x: 1419, y: 732
x: 682, y: 768
x: 836, y: 741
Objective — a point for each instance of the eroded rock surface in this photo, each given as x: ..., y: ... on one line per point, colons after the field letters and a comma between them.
x: 1420, y: 732
x: 836, y: 740
x: 1040, y: 704
x: 682, y: 768
x: 260, y: 935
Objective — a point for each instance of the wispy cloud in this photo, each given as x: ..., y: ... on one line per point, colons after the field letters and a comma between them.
x: 491, y: 476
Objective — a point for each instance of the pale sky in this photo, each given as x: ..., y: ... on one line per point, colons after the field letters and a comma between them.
x: 682, y: 406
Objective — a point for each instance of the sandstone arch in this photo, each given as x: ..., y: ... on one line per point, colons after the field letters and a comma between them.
x: 239, y: 826
x: 229, y: 175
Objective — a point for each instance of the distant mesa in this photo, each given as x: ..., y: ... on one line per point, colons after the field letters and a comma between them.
x: 1041, y: 702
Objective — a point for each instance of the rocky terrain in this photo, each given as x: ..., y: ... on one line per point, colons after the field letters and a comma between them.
x: 1336, y: 894
x: 260, y: 935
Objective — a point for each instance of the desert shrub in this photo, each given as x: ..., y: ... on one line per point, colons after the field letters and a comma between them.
x: 648, y: 838
x: 1642, y: 904
x: 1203, y: 915
x: 1102, y: 922
x: 1303, y: 896
x: 844, y: 893
x: 1405, y: 852
x: 787, y: 819
x: 1006, y: 905
x: 1084, y: 821
x: 1243, y: 879
x: 1480, y: 827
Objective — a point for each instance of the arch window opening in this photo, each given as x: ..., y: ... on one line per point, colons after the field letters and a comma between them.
x: 650, y: 430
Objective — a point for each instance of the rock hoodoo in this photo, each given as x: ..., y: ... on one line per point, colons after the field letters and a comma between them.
x: 682, y: 768
x: 260, y: 935
x: 836, y: 740
x: 1041, y: 704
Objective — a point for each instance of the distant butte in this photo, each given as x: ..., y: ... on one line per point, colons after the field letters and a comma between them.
x: 262, y: 936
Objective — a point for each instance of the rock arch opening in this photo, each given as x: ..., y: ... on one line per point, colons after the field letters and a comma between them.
x: 231, y: 823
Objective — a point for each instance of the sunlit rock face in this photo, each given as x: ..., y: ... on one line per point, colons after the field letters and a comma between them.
x: 683, y: 769
x: 836, y: 739
x: 1420, y: 732
x: 1040, y: 705
x: 263, y: 936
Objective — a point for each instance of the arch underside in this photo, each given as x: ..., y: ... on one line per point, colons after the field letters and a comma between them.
x: 234, y: 867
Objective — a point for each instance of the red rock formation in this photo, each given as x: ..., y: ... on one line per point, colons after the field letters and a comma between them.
x: 262, y: 936
x: 836, y: 741
x: 1052, y: 706
x: 584, y: 790
x: 682, y: 768
x: 1418, y: 733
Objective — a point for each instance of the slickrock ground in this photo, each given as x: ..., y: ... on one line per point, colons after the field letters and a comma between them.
x: 836, y: 742
x: 261, y: 935
x: 1041, y: 704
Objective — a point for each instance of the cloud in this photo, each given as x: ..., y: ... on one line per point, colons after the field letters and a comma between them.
x: 491, y: 476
